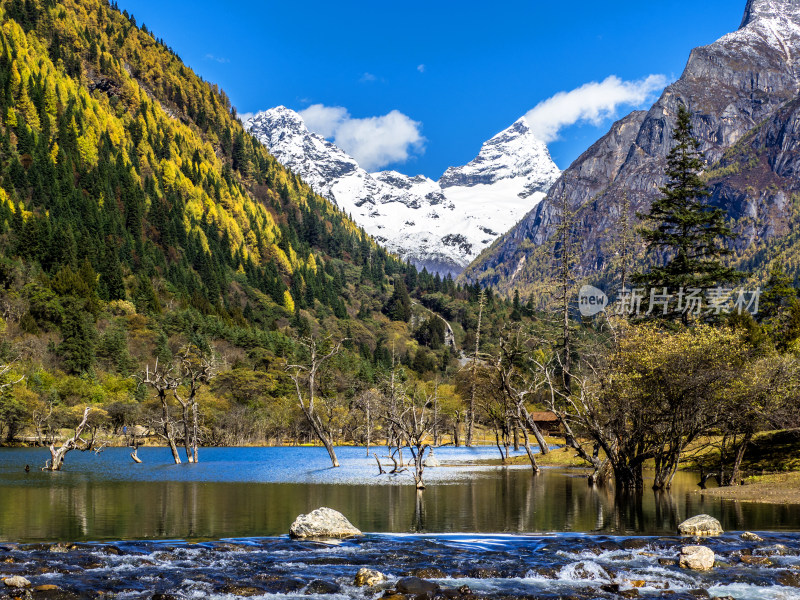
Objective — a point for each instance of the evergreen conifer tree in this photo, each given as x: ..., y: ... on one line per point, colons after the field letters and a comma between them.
x: 79, y: 337
x: 780, y: 308
x: 683, y: 230
x: 398, y: 308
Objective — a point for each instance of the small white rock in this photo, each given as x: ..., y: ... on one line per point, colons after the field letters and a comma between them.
x: 698, y: 558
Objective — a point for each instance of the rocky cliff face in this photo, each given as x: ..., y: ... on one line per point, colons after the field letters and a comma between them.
x: 740, y: 91
x: 442, y: 225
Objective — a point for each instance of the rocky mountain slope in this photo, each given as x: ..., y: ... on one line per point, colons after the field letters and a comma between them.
x: 742, y: 93
x: 440, y: 225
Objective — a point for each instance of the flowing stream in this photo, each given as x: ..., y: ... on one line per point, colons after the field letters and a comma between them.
x: 217, y: 529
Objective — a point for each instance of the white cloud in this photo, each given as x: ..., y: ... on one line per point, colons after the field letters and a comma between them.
x: 367, y: 78
x: 374, y: 142
x: 243, y: 117
x: 218, y: 59
x: 421, y: 68
x: 592, y: 102
x: 324, y: 120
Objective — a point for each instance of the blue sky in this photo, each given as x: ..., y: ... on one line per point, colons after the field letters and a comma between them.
x: 456, y: 73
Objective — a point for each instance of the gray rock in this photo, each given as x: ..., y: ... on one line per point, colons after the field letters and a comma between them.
x: 17, y: 581
x: 416, y: 586
x: 775, y: 550
x: 319, y: 586
x: 748, y: 536
x: 369, y: 577
x: 701, y: 525
x: 789, y: 579
x: 322, y: 523
x: 698, y: 558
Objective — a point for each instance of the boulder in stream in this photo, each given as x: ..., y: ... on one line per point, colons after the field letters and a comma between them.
x: 322, y: 523
x: 701, y: 525
x: 369, y: 577
x: 697, y: 558
x: 416, y: 586
x: 16, y: 581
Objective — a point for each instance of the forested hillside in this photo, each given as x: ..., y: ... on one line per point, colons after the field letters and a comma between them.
x: 138, y: 218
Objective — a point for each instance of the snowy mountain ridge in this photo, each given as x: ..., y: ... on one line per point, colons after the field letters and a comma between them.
x: 440, y: 225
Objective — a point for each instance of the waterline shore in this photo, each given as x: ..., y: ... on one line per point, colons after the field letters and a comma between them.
x: 776, y: 488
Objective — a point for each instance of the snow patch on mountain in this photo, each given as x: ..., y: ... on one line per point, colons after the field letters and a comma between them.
x: 442, y: 225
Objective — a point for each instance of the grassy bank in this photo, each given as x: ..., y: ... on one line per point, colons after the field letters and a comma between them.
x: 771, y: 469
x: 769, y: 452
x: 775, y: 488
x: 560, y: 457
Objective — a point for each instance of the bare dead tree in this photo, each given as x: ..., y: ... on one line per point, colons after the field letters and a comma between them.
x: 57, y: 455
x: 40, y: 416
x: 195, y: 370
x: 567, y: 256
x: 4, y: 369
x: 495, y: 410
x: 305, y: 377
x: 164, y: 381
x: 574, y: 408
x: 394, y: 394
x: 475, y: 361
x: 436, y: 412
x: 134, y: 444
x: 413, y: 423
x: 368, y: 401
x: 521, y: 384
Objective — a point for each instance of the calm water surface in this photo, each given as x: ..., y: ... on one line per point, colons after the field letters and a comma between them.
x: 245, y: 492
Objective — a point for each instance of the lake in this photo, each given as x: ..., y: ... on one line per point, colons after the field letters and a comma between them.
x: 217, y: 530
x: 242, y: 492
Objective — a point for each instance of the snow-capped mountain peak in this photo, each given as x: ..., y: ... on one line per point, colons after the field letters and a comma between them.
x: 514, y: 153
x: 440, y: 225
x: 785, y: 10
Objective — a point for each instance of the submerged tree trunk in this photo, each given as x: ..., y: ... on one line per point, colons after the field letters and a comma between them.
x: 187, y: 444
x: 527, y: 419
x: 195, y: 430
x: 497, y: 443
x: 737, y: 461
x: 331, y: 452
x: 167, y: 429
x: 628, y: 477
x: 305, y: 376
x: 666, y: 467
x: 57, y: 455
x: 529, y: 452
x: 419, y: 466
x: 369, y: 430
x: 380, y: 466
x: 326, y: 439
